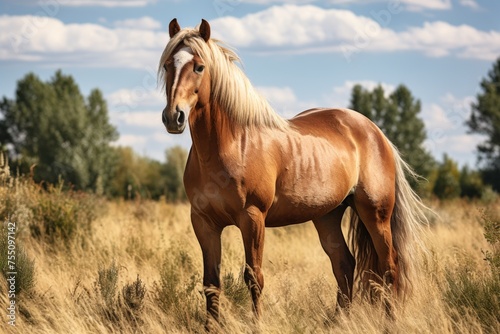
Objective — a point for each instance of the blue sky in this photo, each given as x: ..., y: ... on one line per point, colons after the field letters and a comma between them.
x: 299, y: 53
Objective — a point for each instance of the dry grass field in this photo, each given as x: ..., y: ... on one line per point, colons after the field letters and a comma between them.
x: 86, y: 265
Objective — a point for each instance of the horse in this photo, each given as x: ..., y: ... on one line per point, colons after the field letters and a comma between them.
x: 251, y: 168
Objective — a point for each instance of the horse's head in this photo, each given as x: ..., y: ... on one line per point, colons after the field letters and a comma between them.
x: 187, y: 83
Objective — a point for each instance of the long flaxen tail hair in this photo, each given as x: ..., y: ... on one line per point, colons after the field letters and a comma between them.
x: 408, y: 218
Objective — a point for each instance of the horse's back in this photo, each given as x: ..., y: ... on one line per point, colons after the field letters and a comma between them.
x: 328, y: 118
x: 345, y: 126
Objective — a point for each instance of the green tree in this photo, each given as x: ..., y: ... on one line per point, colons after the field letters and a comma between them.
x: 447, y: 185
x: 485, y: 120
x: 51, y: 125
x: 123, y: 173
x: 398, y: 117
x: 174, y: 171
x: 136, y: 176
x: 471, y: 183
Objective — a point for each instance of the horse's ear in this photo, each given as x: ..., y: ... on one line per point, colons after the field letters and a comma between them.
x: 173, y: 28
x: 205, y: 30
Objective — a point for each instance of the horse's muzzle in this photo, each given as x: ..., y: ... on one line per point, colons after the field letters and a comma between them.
x: 175, y: 122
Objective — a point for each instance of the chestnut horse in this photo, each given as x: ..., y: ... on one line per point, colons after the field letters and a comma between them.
x: 251, y: 168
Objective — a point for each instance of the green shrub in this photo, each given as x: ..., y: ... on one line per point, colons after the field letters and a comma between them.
x: 174, y: 270
x: 479, y: 294
x: 107, y: 283
x: 23, y: 266
x: 235, y: 290
x: 488, y: 195
x: 63, y: 215
x: 133, y: 295
x: 16, y: 201
x: 123, y: 310
x: 492, y: 235
x: 176, y: 292
x: 132, y: 301
x: 169, y: 289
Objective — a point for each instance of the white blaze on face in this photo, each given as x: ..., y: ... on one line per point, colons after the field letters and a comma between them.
x: 181, y: 58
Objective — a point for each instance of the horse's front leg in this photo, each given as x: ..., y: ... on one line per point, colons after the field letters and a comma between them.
x: 252, y: 226
x: 209, y: 237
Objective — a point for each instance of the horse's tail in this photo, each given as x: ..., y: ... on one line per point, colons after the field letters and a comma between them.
x: 408, y: 216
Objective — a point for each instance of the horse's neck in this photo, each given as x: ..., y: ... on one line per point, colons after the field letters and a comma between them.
x: 211, y: 132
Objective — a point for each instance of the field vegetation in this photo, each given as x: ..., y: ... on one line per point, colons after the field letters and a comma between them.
x: 90, y: 265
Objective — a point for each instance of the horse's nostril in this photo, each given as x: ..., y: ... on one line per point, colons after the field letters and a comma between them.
x: 181, y: 117
x: 163, y: 118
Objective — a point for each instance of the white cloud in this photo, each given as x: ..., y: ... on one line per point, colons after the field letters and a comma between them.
x: 138, y: 98
x: 447, y: 131
x: 418, y: 5
x: 448, y: 117
x: 412, y: 5
x: 289, y: 27
x: 286, y: 28
x: 105, y: 3
x: 277, y: 95
x: 162, y: 136
x: 441, y: 39
x: 144, y: 119
x: 461, y: 147
x: 461, y: 105
x: 436, y: 119
x: 469, y: 3
x: 464, y: 143
x: 130, y: 140
x: 303, y: 29
x: 284, y: 100
x: 145, y: 22
x: 269, y: 2
x: 48, y: 40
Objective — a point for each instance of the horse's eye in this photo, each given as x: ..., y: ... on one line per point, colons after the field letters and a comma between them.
x: 199, y: 68
x: 165, y: 67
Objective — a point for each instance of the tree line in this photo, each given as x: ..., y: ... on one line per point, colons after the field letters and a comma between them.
x: 52, y: 132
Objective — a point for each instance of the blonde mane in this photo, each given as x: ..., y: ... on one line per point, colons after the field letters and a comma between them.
x: 230, y: 86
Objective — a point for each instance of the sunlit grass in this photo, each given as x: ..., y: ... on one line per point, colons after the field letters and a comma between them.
x: 137, y: 268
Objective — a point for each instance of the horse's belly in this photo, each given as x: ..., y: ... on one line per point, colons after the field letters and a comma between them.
x: 314, y: 182
x: 296, y: 207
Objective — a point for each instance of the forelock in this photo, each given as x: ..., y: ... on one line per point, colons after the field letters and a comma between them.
x: 189, y: 38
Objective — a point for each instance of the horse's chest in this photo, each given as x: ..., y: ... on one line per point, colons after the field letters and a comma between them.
x: 214, y: 192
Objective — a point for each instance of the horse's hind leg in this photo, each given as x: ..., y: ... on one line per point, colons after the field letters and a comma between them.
x: 333, y: 242
x: 375, y: 213
x: 376, y: 216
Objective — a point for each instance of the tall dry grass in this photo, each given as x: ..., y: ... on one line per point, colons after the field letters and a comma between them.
x: 137, y: 269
